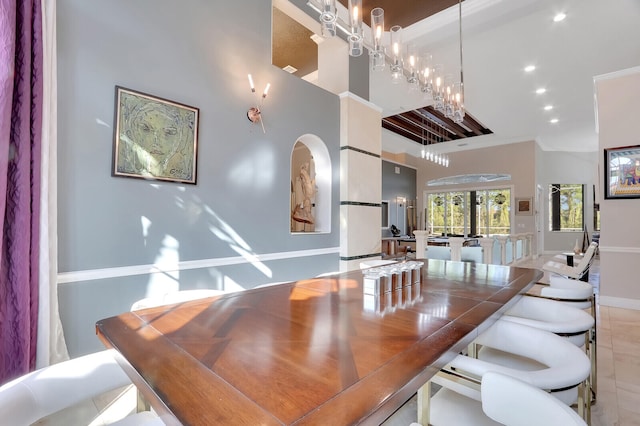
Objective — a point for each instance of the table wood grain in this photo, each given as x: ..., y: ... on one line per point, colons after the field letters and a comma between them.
x: 310, y: 352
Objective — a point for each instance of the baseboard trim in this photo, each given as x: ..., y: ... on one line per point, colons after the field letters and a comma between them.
x: 610, y: 249
x: 619, y: 302
x: 125, y: 271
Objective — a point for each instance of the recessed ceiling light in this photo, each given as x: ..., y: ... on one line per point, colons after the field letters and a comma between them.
x: 559, y: 17
x: 541, y: 90
x: 553, y: 121
x: 548, y: 107
x: 529, y: 68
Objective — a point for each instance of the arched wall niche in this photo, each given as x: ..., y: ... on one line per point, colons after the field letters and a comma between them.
x: 310, y: 209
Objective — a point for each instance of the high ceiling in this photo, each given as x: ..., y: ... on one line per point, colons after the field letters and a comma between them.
x: 500, y: 38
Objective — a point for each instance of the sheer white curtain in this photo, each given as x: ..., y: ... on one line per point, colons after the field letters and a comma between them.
x: 51, y: 346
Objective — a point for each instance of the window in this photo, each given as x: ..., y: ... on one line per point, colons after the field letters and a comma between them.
x: 566, y: 208
x: 478, y: 212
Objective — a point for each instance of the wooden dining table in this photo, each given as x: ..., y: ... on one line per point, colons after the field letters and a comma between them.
x: 311, y: 352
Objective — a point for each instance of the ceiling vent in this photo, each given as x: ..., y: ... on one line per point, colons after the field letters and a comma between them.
x: 290, y: 69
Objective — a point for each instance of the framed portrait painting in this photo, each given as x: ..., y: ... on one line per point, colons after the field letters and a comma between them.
x: 524, y: 206
x: 622, y: 172
x: 154, y: 138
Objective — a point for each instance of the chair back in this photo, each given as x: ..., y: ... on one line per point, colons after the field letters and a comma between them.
x: 564, y: 364
x: 574, y: 293
x: 586, y: 260
x: 513, y: 402
x: 29, y: 398
x: 553, y: 316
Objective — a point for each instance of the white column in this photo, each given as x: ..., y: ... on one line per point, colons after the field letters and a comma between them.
x: 360, y: 181
x: 502, y: 239
x: 455, y: 243
x: 487, y: 248
x: 333, y: 64
x: 514, y: 247
x: 529, y: 244
x: 421, y: 243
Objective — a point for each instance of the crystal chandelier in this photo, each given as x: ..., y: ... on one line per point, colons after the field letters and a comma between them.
x: 404, y: 63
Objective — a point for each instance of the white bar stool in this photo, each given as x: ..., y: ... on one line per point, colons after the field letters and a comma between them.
x: 538, y: 357
x: 36, y: 395
x: 504, y: 401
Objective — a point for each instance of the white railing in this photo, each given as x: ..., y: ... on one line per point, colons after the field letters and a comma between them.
x: 497, y: 249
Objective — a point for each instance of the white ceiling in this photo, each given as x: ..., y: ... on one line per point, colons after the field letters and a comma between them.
x: 501, y: 37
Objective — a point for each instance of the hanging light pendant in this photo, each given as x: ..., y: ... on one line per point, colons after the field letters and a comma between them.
x: 377, y: 52
x: 356, y: 44
x: 426, y: 75
x: 412, y: 64
x: 396, y: 66
x: 458, y: 97
x: 447, y: 93
x: 328, y: 18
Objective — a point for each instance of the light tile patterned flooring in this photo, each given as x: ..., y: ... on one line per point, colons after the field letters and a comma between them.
x: 618, y: 338
x: 618, y: 401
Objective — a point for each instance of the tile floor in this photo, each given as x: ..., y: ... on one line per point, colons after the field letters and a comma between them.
x: 618, y: 377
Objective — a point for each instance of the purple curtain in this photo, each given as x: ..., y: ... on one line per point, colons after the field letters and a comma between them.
x: 20, y: 142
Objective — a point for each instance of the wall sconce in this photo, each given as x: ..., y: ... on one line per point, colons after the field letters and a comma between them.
x: 254, y: 114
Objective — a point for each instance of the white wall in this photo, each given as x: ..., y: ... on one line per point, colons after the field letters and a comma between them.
x: 514, y: 159
x: 565, y: 168
x: 529, y: 167
x: 618, y: 104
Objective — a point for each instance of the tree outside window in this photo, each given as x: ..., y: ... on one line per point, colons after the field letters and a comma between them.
x: 476, y: 212
x: 566, y: 207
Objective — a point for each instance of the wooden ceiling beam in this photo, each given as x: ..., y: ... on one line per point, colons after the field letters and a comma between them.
x: 426, y: 125
x: 474, y: 125
x: 401, y: 126
x: 438, y: 117
x: 389, y: 125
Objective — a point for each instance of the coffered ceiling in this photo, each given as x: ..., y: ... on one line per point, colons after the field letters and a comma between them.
x: 500, y: 38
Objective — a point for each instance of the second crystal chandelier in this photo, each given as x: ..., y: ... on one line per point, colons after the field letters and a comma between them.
x: 404, y: 62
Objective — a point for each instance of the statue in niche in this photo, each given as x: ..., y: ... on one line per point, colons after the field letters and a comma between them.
x: 304, y: 191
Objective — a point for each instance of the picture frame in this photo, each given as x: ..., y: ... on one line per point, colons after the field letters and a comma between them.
x: 622, y: 172
x: 154, y: 138
x: 524, y: 206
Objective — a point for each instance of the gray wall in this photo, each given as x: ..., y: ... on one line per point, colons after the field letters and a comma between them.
x: 197, y: 53
x: 394, y: 185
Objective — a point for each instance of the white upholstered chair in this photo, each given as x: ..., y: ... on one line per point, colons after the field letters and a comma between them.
x: 535, y: 356
x: 578, y: 294
x: 48, y: 390
x: 504, y: 400
x: 574, y: 272
x: 513, y: 402
x: 561, y: 319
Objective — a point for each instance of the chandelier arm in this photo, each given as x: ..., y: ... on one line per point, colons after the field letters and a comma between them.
x: 460, y: 30
x: 340, y: 23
